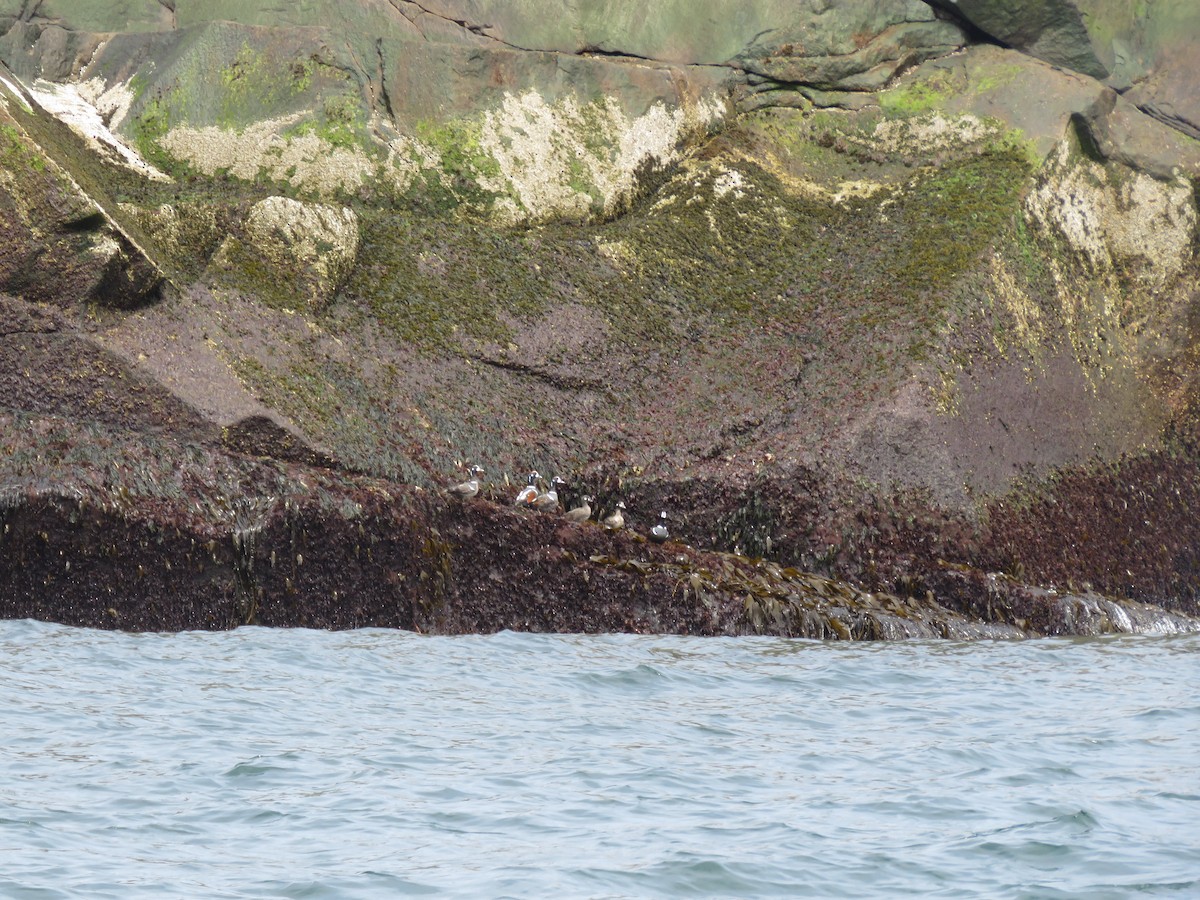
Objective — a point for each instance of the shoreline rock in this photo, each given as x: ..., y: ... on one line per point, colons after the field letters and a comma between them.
x: 898, y: 323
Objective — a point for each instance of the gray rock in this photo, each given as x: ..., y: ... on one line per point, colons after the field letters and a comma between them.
x: 1053, y: 30
x: 1150, y: 52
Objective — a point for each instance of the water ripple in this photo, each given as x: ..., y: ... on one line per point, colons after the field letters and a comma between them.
x: 381, y: 764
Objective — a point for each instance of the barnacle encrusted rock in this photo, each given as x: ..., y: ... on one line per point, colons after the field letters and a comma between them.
x: 289, y: 249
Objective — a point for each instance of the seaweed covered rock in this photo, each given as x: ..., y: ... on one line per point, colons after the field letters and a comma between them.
x: 897, y: 323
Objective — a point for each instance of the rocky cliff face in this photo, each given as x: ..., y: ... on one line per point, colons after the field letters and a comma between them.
x: 899, y: 294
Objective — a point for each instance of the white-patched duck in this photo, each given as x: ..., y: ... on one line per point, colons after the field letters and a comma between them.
x: 580, y: 513
x: 547, y: 501
x: 659, y: 533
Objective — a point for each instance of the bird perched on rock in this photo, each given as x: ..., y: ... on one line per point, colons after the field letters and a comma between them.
x: 547, y: 501
x: 468, y: 488
x: 580, y: 513
x: 528, y: 493
x: 659, y: 533
x: 615, y: 520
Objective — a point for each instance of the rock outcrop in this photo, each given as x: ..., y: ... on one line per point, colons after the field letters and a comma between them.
x: 57, y: 244
x: 891, y: 304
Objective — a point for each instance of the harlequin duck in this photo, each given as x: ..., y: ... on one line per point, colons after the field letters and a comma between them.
x: 615, y: 521
x: 659, y: 533
x: 580, y: 513
x: 528, y: 493
x: 548, y: 501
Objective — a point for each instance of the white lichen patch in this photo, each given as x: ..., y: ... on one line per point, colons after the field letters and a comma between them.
x: 1108, y: 221
x: 930, y: 133
x: 306, y: 161
x: 564, y: 159
x: 721, y: 192
x: 840, y: 194
x: 73, y: 105
x: 729, y: 181
x: 1069, y: 202
x: 1028, y: 331
x: 1154, y: 220
x: 112, y: 102
x: 407, y: 158
x: 530, y: 159
x: 1124, y: 240
x: 855, y: 190
x: 315, y: 234
x: 105, y: 248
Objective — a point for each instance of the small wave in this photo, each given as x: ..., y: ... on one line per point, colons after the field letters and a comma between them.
x: 695, y: 877
x: 637, y: 677
x: 366, y: 884
x: 254, y: 770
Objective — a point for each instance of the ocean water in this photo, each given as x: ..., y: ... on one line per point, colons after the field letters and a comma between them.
x: 380, y: 764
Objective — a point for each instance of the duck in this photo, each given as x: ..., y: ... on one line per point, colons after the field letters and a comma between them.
x: 615, y: 521
x: 528, y: 493
x: 548, y: 500
x: 659, y: 533
x: 468, y: 488
x: 580, y: 513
